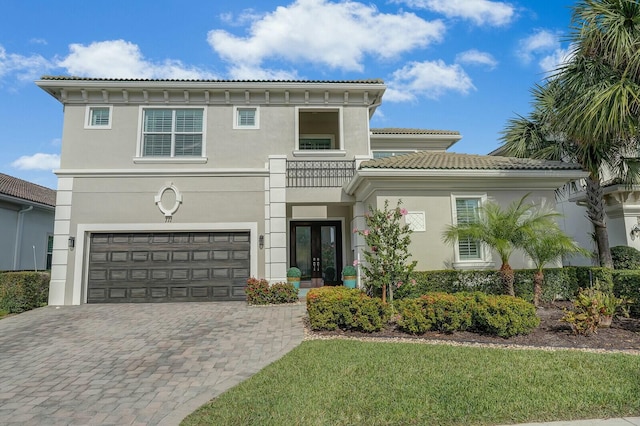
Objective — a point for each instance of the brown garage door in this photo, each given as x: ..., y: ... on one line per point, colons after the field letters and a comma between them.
x: 168, y: 267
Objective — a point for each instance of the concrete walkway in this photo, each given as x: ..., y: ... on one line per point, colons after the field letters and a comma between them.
x: 142, y: 364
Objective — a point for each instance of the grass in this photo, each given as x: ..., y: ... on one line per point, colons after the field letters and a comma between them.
x: 338, y: 382
x: 3, y: 313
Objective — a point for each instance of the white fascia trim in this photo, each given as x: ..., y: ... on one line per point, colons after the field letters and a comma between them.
x: 457, y: 174
x: 161, y: 172
x: 80, y: 279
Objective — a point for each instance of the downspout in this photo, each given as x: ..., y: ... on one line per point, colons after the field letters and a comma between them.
x: 18, y: 244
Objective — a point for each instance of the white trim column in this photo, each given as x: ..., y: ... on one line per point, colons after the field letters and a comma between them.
x: 276, y: 219
x: 61, y: 249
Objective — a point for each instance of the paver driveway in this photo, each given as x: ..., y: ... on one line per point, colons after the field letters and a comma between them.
x: 134, y: 363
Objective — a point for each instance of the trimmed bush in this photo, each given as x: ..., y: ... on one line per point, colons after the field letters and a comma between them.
x: 442, y: 312
x: 591, y: 276
x: 625, y: 257
x: 259, y: 292
x: 503, y: 316
x: 626, y: 285
x: 283, y: 293
x: 23, y: 291
x: 330, y: 308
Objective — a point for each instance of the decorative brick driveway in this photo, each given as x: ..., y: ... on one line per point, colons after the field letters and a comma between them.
x: 134, y: 363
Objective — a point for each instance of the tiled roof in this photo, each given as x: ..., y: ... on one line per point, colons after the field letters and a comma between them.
x: 19, y: 188
x: 454, y: 161
x: 401, y: 131
x: 73, y: 78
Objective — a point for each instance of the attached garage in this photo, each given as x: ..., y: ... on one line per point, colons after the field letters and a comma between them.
x: 168, y: 266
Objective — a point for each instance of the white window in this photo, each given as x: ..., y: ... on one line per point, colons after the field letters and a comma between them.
x: 246, y: 118
x: 98, y: 117
x: 416, y: 221
x: 314, y: 142
x: 467, y: 212
x: 172, y: 132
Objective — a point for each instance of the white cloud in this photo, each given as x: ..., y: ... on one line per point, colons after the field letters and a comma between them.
x: 429, y: 79
x: 123, y: 59
x: 476, y: 57
x: 541, y: 41
x: 480, y: 12
x: 25, y: 68
x: 37, y: 161
x: 336, y: 35
x: 545, y: 47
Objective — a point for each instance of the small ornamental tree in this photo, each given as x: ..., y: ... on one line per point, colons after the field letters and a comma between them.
x: 386, y: 265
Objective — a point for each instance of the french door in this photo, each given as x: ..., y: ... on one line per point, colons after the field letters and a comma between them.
x: 316, y: 249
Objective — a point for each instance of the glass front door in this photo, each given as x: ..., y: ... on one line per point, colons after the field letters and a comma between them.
x: 316, y: 249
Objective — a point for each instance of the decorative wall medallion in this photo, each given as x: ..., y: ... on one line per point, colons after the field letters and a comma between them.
x: 177, y: 196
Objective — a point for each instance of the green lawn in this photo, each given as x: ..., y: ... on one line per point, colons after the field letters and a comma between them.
x: 338, y: 382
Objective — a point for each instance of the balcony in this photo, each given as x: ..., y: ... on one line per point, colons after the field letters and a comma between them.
x: 319, y: 174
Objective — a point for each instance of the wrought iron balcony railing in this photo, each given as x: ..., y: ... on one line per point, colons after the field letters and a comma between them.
x: 319, y: 174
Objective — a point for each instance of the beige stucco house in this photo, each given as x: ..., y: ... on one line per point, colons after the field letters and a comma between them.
x: 174, y: 190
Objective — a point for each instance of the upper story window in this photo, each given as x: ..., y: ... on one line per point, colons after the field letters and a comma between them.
x: 98, y: 117
x: 246, y: 118
x: 172, y: 132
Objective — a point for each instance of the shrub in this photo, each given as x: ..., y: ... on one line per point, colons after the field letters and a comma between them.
x: 589, y: 308
x: 626, y: 285
x: 435, y: 311
x: 23, y: 291
x: 283, y: 293
x: 349, y: 271
x: 503, y: 316
x: 294, y: 272
x: 330, y: 308
x: 499, y: 315
x: 259, y: 292
x: 625, y: 257
x: 590, y: 276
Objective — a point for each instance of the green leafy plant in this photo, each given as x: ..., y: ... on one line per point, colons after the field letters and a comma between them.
x: 503, y: 230
x: 330, y: 308
x: 625, y: 257
x: 259, y: 292
x: 23, y: 291
x: 590, y: 307
x: 294, y: 272
x: 386, y: 256
x: 349, y: 271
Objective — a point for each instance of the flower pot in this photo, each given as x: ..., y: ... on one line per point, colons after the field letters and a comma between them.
x: 605, y: 321
x: 295, y: 281
x: 349, y: 282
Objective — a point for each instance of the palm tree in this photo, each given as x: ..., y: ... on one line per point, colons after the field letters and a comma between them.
x: 545, y: 246
x: 589, y: 110
x: 503, y: 231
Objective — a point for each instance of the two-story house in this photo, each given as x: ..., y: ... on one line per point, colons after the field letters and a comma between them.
x: 174, y: 190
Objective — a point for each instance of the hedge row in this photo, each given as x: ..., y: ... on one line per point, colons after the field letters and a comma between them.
x: 560, y: 283
x: 626, y: 285
x: 23, y: 291
x: 503, y: 316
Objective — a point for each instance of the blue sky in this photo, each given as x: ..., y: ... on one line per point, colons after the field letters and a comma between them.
x: 465, y: 65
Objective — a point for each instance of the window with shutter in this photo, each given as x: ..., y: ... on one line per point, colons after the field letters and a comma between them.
x: 172, y: 132
x: 467, y: 212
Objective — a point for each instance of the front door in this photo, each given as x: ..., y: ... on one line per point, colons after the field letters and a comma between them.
x: 316, y: 249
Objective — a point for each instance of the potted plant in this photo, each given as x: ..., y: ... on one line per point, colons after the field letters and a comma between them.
x: 349, y: 276
x: 293, y: 276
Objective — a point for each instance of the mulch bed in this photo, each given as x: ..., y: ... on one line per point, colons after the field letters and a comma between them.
x: 552, y: 333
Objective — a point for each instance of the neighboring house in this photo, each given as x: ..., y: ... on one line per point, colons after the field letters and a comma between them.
x: 26, y: 224
x: 176, y: 190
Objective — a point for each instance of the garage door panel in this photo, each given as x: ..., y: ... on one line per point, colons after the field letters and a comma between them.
x: 153, y: 267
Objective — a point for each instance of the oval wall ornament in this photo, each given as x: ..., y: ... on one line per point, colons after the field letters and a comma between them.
x: 168, y: 211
